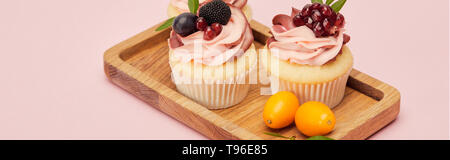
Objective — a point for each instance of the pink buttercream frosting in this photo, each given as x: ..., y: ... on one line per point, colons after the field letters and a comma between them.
x: 182, y: 5
x: 236, y: 37
x: 300, y: 45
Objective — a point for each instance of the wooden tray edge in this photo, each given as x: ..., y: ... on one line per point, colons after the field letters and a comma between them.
x: 381, y: 114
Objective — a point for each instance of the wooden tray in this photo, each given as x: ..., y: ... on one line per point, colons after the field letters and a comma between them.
x: 140, y: 66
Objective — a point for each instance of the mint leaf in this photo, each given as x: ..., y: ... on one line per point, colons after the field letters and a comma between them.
x: 319, y: 138
x: 329, y: 2
x: 166, y: 24
x: 317, y: 1
x: 338, y: 5
x: 193, y: 6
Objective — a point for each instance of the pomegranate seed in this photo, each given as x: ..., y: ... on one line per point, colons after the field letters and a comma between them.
x: 326, y: 24
x: 316, y: 16
x: 318, y: 29
x: 332, y: 17
x: 201, y: 24
x: 321, y: 19
x: 306, y: 11
x: 217, y: 27
x: 298, y: 21
x: 209, y: 34
x: 315, y: 6
x: 326, y: 10
x: 309, y: 22
x: 340, y: 20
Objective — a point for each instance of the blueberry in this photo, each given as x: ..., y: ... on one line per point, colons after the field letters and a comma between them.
x: 185, y: 24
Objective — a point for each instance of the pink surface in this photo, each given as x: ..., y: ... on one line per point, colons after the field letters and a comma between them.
x: 53, y: 86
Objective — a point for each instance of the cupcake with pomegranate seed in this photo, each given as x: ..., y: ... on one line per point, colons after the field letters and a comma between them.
x: 307, y: 54
x: 177, y: 7
x: 212, y: 55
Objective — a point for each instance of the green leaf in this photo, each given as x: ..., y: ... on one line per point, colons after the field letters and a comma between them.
x: 317, y: 1
x: 329, y: 2
x: 319, y: 138
x: 166, y: 24
x: 281, y: 136
x: 193, y: 6
x: 276, y: 135
x: 338, y: 5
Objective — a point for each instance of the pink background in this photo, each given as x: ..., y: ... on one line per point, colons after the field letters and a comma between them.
x: 52, y: 84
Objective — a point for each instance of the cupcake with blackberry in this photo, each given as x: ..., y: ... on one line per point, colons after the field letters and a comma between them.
x: 176, y: 7
x: 212, y: 54
x: 307, y: 54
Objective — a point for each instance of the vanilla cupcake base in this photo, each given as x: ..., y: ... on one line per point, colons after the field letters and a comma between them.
x: 173, y: 12
x: 324, y: 83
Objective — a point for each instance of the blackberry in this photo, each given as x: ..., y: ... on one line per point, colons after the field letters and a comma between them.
x: 216, y: 11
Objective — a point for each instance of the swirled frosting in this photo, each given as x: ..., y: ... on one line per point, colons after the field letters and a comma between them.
x: 300, y: 45
x: 182, y: 5
x: 236, y: 37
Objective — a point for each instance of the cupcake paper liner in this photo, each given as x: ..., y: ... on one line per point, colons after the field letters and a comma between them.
x: 218, y: 94
x: 215, y: 96
x: 330, y: 93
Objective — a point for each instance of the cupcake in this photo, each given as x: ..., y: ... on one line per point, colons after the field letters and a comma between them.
x: 307, y: 54
x: 176, y: 7
x: 212, y: 54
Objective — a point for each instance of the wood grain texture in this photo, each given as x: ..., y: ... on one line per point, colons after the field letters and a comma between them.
x: 140, y: 66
